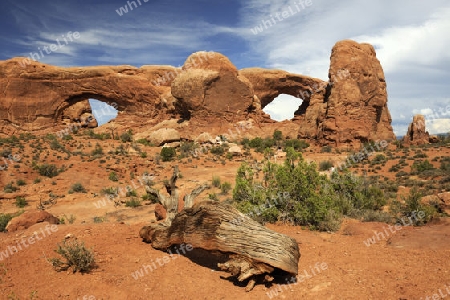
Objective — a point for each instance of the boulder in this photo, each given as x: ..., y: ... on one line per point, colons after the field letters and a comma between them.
x: 164, y: 135
x: 30, y: 218
x: 434, y: 139
x: 235, y: 150
x: 204, y: 137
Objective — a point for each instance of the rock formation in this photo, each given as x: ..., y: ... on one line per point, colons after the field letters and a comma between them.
x: 351, y: 108
x: 417, y: 134
x: 30, y: 218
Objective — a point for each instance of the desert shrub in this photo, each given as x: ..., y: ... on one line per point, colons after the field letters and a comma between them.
x: 296, y: 193
x: 49, y: 170
x: 150, y: 197
x: 260, y: 144
x: 4, y: 219
x: 292, y: 193
x: 98, y: 136
x: 325, y: 165
x: 168, y: 153
x: 213, y: 196
x: 408, y: 210
x: 21, y: 202
x: 110, y: 191
x: 133, y: 202
x: 421, y: 166
x: 326, y: 149
x: 379, y: 159
x: 277, y: 135
x: 99, y: 219
x: 21, y: 182
x: 445, y: 165
x: 6, y: 153
x: 75, y: 255
x: 113, y: 176
x: 298, y: 145
x: 219, y: 150
x: 10, y: 188
x: 126, y: 136
x: 98, y: 150
x: 401, y: 174
x: 225, y: 188
x: 216, y: 181
x: 187, y: 148
x: 131, y: 193
x: 77, y: 188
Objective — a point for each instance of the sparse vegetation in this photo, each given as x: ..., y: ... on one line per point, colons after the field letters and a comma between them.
x: 133, y: 202
x: 21, y: 202
x: 113, y: 176
x: 216, y: 181
x: 77, y: 188
x: 75, y: 255
x: 48, y: 170
x: 325, y: 165
x: 168, y: 153
x: 4, y: 219
x: 225, y: 188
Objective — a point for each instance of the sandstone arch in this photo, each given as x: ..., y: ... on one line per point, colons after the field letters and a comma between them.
x: 34, y: 97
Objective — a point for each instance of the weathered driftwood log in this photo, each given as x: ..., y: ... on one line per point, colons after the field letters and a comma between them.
x: 255, y: 251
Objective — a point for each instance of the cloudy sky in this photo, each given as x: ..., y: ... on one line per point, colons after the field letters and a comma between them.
x: 411, y: 38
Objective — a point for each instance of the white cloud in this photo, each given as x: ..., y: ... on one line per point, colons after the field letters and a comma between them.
x: 436, y: 126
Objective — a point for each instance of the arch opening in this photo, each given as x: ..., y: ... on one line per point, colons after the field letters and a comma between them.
x: 103, y: 111
x: 285, y: 107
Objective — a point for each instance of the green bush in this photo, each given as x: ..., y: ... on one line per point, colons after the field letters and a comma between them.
x: 21, y: 182
x: 296, y: 193
x: 277, y: 135
x: 168, y: 153
x: 219, y: 150
x: 379, y: 159
x: 326, y: 149
x: 126, y: 136
x: 111, y: 191
x: 10, y: 188
x: 48, y: 170
x: 131, y: 193
x: 216, y: 181
x: 422, y: 166
x: 225, y: 188
x: 298, y: 145
x: 325, y: 165
x: 21, y: 202
x: 408, y: 211
x: 134, y: 202
x: 77, y: 188
x: 98, y: 151
x: 4, y: 219
x: 75, y: 255
x: 113, y: 176
x: 144, y: 142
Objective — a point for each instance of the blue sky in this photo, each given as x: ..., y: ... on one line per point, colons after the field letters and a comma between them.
x: 411, y: 38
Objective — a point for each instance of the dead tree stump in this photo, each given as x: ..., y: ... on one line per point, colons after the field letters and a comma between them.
x: 255, y: 251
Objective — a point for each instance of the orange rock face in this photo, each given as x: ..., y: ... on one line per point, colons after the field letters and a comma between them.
x: 417, y: 134
x: 350, y: 108
x: 357, y: 102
